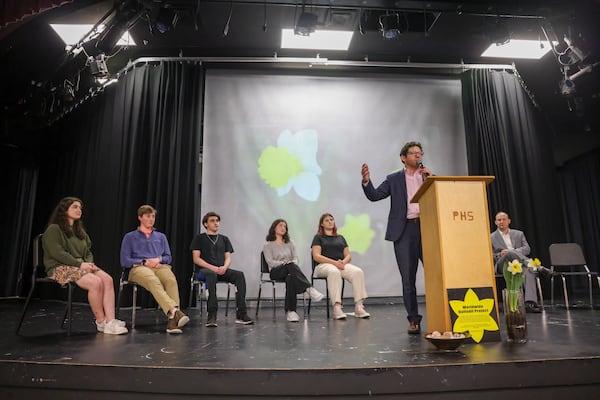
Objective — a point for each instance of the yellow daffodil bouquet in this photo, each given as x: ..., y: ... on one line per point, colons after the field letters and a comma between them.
x: 514, y: 276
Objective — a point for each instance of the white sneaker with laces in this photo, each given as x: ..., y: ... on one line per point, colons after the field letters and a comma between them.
x: 100, y: 325
x: 315, y: 295
x: 113, y: 328
x: 292, y: 316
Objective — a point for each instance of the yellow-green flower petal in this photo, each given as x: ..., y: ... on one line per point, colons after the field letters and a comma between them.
x: 357, y: 232
x: 276, y: 166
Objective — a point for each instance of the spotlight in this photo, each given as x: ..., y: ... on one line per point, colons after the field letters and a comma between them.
x: 390, y: 25
x: 98, y: 66
x: 166, y: 20
x: 567, y: 86
x: 306, y: 24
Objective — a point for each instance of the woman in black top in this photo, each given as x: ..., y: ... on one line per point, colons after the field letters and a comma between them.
x: 332, y: 258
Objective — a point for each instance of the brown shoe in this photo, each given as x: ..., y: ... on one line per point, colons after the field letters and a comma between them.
x: 172, y: 326
x: 414, y: 328
x: 177, y: 321
x: 181, y: 318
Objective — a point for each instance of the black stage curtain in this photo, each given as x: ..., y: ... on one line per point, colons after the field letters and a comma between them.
x: 136, y: 143
x: 139, y: 142
x: 580, y: 193
x: 19, y: 168
x: 507, y: 138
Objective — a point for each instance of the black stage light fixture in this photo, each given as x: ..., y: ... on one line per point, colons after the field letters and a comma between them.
x: 306, y: 24
x: 166, y: 19
x: 98, y: 66
x: 390, y: 25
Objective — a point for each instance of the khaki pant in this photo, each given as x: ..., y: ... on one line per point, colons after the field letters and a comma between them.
x: 351, y: 273
x: 161, y: 282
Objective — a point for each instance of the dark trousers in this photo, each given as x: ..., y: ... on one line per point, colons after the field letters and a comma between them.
x: 295, y: 282
x: 408, y: 251
x: 232, y: 276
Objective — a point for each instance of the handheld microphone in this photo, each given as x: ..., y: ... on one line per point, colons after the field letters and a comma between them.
x: 423, y: 174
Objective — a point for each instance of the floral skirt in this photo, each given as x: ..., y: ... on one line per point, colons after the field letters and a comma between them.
x: 64, y: 274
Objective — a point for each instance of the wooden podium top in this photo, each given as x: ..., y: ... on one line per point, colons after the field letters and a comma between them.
x: 430, y: 179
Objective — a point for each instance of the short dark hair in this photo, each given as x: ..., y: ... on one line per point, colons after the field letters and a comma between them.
x: 208, y: 215
x: 146, y: 209
x: 404, y: 151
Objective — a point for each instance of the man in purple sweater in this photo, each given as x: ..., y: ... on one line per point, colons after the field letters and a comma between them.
x: 147, y: 252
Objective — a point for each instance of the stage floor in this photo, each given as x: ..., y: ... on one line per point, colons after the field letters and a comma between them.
x: 315, y: 357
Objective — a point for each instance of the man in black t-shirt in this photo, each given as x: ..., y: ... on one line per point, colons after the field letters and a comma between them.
x: 211, y: 252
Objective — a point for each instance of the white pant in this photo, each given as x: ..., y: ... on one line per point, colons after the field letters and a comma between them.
x: 334, y: 275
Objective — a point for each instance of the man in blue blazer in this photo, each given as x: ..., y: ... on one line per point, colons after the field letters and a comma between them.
x: 511, y: 244
x: 403, y: 227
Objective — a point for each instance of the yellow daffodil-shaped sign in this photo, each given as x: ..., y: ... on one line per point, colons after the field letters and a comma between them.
x: 474, y: 315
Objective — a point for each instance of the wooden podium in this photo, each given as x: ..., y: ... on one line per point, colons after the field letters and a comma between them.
x: 457, y: 255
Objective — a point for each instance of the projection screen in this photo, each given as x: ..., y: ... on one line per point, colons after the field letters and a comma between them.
x: 286, y: 145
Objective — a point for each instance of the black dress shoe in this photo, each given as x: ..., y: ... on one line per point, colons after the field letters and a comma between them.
x: 532, y: 307
x: 414, y: 328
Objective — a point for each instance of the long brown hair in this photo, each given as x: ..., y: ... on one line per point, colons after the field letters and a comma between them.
x: 59, y: 217
x: 320, y: 230
x: 271, y: 235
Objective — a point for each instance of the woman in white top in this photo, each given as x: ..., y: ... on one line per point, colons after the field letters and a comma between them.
x: 280, y: 255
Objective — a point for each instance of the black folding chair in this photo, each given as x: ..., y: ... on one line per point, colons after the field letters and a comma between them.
x: 312, y: 280
x: 39, y: 276
x: 567, y: 260
x: 266, y: 278
x: 198, y: 286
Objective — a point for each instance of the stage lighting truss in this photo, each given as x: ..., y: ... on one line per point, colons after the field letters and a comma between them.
x: 126, y: 15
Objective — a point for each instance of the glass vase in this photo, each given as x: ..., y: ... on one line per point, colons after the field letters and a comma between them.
x: 516, y: 323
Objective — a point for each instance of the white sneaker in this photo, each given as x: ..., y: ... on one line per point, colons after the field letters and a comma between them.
x: 113, y: 328
x: 338, y: 313
x: 315, y: 295
x: 100, y: 325
x: 359, y: 311
x: 292, y: 316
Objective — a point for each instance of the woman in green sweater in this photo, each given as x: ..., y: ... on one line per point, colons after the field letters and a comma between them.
x: 68, y: 258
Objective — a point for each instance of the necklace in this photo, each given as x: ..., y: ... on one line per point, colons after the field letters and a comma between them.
x: 214, y: 242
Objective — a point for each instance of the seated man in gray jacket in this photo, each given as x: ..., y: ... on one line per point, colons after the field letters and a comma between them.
x: 510, y: 244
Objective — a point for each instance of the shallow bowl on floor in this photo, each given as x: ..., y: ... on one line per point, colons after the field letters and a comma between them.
x: 448, y: 343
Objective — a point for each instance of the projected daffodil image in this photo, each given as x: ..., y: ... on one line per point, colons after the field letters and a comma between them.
x: 357, y: 232
x: 293, y: 163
